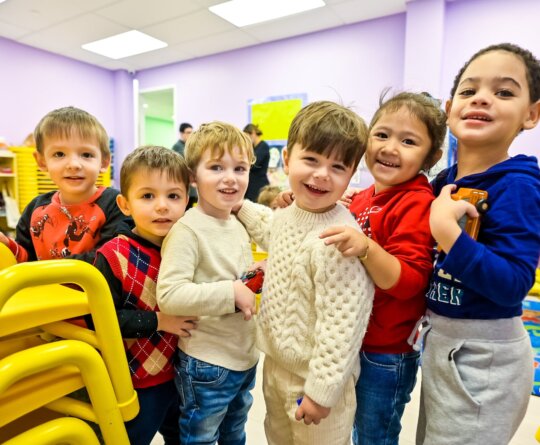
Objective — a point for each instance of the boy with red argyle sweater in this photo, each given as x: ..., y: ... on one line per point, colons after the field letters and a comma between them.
x: 154, y: 184
x: 73, y: 147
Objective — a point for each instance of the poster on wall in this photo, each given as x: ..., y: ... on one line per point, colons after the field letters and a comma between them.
x: 273, y: 115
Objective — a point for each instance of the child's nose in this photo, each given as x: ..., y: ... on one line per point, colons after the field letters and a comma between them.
x: 74, y: 162
x: 322, y: 172
x: 480, y: 97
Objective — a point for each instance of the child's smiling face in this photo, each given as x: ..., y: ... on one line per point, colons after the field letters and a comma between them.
x: 491, y: 104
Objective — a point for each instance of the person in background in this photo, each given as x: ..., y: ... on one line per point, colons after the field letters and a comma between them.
x: 72, y: 222
x: 267, y: 196
x: 396, y: 248
x: 316, y: 303
x: 203, y: 257
x: 153, y: 182
x: 477, y: 365
x: 257, y: 174
x: 185, y: 130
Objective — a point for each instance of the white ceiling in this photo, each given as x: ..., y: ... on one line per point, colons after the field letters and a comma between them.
x: 189, y: 28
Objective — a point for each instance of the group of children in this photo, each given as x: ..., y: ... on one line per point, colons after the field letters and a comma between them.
x: 339, y: 282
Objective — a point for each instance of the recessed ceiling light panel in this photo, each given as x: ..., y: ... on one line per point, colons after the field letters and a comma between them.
x: 248, y: 12
x: 124, y: 45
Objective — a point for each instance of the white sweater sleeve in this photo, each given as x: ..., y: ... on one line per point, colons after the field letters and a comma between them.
x: 343, y: 302
x: 257, y: 219
x: 177, y: 294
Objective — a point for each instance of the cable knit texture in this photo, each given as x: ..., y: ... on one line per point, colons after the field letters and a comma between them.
x: 315, y: 303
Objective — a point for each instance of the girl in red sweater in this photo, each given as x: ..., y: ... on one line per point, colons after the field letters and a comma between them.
x: 395, y: 246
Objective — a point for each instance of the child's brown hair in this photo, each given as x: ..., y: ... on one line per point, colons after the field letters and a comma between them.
x: 268, y: 194
x: 64, y: 122
x: 153, y: 157
x: 325, y: 127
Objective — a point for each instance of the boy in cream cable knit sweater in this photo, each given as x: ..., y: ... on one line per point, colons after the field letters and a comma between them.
x: 316, y: 303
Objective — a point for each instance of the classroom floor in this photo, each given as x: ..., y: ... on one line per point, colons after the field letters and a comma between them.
x: 255, y: 428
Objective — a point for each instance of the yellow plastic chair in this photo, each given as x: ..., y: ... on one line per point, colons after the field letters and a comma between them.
x: 18, y: 368
x: 32, y: 300
x: 6, y: 257
x: 537, y: 435
x: 67, y: 430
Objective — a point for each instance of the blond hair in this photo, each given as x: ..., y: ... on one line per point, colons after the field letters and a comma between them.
x: 327, y: 128
x: 268, y: 194
x: 218, y: 137
x: 151, y: 157
x: 68, y: 121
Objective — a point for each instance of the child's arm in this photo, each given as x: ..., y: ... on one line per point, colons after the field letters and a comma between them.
x: 444, y: 217
x: 383, y: 268
x: 343, y: 299
x: 140, y: 323
x: 503, y: 269
x: 403, y: 263
x: 257, y: 220
x: 178, y: 294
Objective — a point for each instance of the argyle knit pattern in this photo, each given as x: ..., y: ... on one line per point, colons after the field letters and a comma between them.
x: 137, y: 267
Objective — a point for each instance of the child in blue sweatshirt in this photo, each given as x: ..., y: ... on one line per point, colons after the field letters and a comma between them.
x: 477, y: 367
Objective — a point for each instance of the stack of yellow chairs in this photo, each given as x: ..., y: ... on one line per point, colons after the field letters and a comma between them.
x: 36, y: 374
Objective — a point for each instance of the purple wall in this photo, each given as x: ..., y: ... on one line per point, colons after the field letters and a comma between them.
x: 351, y: 64
x: 34, y: 82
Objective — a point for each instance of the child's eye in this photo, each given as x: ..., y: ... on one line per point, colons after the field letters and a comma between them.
x: 87, y: 155
x: 174, y: 196
x: 409, y: 142
x: 380, y: 135
x: 309, y: 159
x: 505, y: 93
x: 340, y: 167
x: 147, y: 196
x: 467, y: 92
x: 216, y: 167
x: 58, y: 154
x: 240, y: 169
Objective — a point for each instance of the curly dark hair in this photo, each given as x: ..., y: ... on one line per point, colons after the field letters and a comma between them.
x: 532, y: 67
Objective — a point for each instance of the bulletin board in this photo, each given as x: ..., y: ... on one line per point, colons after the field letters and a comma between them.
x: 273, y: 115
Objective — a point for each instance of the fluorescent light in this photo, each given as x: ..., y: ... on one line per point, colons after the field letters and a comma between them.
x: 124, y: 45
x: 247, y: 12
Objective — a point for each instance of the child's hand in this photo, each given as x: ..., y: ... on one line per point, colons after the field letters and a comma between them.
x: 284, y: 199
x: 244, y: 299
x: 348, y: 240
x: 258, y: 265
x: 444, y: 217
x: 311, y: 411
x: 236, y: 208
x: 4, y: 239
x: 176, y: 324
x: 348, y: 196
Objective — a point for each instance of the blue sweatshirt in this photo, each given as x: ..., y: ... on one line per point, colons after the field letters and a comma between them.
x: 490, y: 277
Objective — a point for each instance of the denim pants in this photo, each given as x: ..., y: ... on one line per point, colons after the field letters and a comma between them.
x: 214, y: 402
x: 382, y: 391
x: 158, y: 412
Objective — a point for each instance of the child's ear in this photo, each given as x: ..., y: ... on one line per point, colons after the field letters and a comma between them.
x: 533, y: 116
x: 40, y: 160
x: 285, y: 154
x: 448, y: 107
x: 123, y: 205
x: 105, y: 162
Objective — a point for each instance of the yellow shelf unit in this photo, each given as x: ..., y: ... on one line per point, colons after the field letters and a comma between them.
x: 31, y: 181
x: 8, y: 182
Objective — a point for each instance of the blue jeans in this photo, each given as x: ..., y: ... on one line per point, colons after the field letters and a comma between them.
x: 158, y: 412
x: 382, y: 391
x: 214, y: 402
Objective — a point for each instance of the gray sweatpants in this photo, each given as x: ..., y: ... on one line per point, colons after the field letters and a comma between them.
x: 477, y: 376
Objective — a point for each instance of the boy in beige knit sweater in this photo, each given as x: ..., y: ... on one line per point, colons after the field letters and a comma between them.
x: 203, y: 256
x: 316, y: 303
